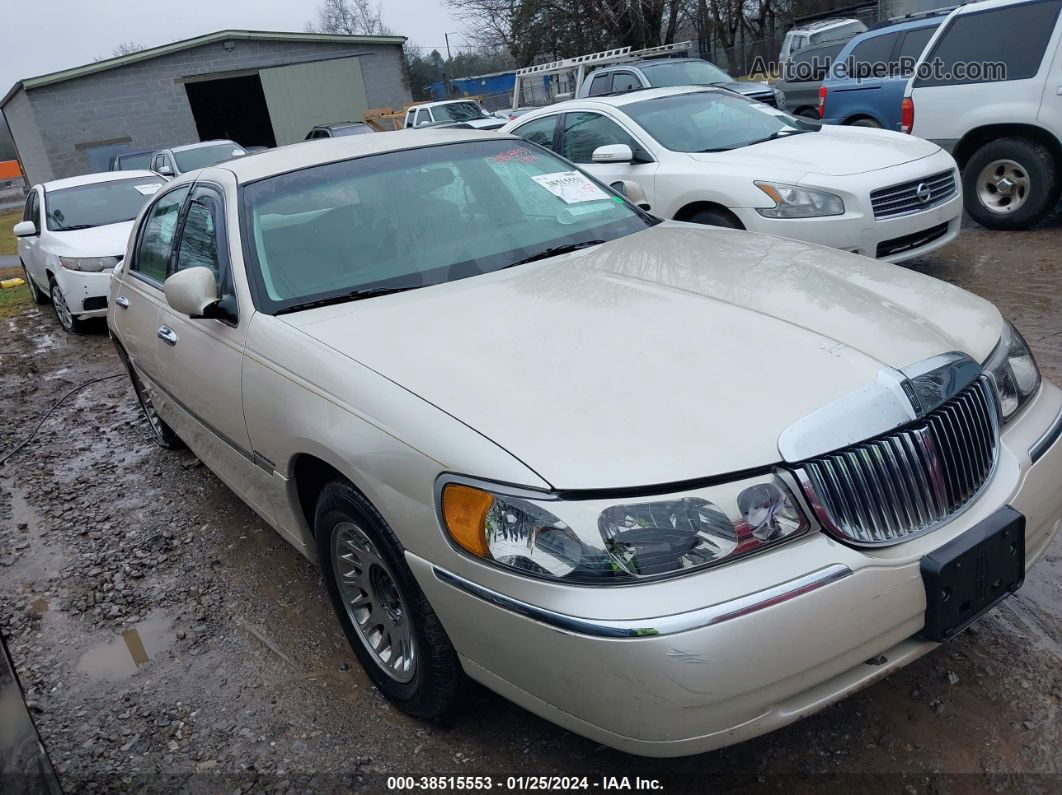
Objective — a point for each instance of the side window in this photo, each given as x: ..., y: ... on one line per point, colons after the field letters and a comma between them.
x: 625, y: 81
x: 199, y: 243
x: 871, y: 57
x: 601, y: 84
x: 33, y: 209
x: 1013, y: 37
x: 539, y: 131
x: 585, y: 132
x: 911, y: 47
x: 156, y: 237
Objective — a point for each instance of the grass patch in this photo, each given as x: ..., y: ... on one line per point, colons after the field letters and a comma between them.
x: 13, y: 299
x: 8, y: 243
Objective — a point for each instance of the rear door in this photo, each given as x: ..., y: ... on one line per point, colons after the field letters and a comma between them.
x: 1051, y: 106
x: 988, y: 66
x: 200, y: 360
x: 137, y: 289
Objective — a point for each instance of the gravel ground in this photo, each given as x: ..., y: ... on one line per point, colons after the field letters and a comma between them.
x: 169, y: 640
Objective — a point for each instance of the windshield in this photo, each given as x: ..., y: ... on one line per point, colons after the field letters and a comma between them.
x: 685, y: 73
x: 135, y: 162
x: 203, y: 156
x: 713, y: 121
x: 99, y: 204
x: 458, y: 111
x: 419, y: 217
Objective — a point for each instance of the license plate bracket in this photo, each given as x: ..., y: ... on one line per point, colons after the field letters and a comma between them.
x: 970, y: 575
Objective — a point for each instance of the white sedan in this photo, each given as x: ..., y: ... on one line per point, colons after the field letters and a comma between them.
x: 666, y: 485
x: 709, y: 156
x: 72, y: 234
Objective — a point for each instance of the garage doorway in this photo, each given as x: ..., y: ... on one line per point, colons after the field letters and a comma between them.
x: 231, y: 107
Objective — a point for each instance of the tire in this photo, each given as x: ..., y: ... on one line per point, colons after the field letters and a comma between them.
x: 69, y: 323
x: 864, y: 122
x: 161, y: 433
x: 35, y: 293
x: 808, y: 113
x: 1032, y: 189
x: 388, y: 610
x: 716, y: 217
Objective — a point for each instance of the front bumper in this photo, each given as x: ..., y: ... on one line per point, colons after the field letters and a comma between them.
x: 85, y: 292
x: 784, y: 633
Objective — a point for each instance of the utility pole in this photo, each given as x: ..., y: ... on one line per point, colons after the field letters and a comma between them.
x: 450, y: 64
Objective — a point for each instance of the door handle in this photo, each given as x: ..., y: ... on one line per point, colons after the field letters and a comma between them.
x: 167, y: 335
x: 122, y: 301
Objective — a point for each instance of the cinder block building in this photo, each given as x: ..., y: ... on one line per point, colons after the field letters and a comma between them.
x: 258, y: 88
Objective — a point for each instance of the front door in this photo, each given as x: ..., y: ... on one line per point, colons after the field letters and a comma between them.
x: 200, y: 360
x: 583, y: 132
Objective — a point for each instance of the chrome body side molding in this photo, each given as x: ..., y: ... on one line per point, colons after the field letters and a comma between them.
x: 654, y: 627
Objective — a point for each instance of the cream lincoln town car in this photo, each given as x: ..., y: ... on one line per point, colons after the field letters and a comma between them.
x: 665, y: 485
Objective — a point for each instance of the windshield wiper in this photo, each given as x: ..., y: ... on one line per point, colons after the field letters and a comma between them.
x: 355, y: 295
x: 74, y: 228
x: 778, y: 134
x: 554, y: 251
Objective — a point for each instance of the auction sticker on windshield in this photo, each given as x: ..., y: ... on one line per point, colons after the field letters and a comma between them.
x: 570, y: 186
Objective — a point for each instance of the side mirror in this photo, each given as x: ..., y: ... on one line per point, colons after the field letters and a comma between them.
x: 165, y: 170
x: 613, y: 153
x: 192, y: 291
x: 25, y: 229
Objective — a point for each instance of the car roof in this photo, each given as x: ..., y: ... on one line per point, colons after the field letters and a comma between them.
x: 200, y: 145
x: 306, y: 154
x: 102, y: 176
x: 339, y: 124
x: 901, y: 25
x: 819, y: 24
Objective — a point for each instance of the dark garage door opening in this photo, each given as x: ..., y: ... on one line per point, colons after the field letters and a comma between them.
x: 233, y: 107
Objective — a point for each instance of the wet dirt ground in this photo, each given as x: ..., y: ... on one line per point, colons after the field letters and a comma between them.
x: 168, y: 639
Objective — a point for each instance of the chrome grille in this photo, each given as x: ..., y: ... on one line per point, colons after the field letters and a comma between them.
x: 911, y: 480
x: 903, y: 198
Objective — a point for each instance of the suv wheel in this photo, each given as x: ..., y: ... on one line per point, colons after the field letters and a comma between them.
x: 388, y: 622
x: 70, y: 324
x: 1011, y: 183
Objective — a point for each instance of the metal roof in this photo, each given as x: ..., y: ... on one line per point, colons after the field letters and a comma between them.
x: 197, y: 41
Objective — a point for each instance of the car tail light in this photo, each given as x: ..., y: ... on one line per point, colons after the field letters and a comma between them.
x: 822, y: 102
x: 907, y: 115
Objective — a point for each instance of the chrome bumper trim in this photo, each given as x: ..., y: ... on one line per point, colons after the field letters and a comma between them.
x: 1051, y: 435
x: 654, y: 627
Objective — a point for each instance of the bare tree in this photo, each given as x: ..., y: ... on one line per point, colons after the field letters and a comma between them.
x: 126, y: 48
x: 348, y: 17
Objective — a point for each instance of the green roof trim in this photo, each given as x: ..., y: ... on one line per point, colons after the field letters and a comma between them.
x: 185, y: 44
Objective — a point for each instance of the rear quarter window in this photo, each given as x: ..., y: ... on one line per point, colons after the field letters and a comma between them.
x: 1013, y: 36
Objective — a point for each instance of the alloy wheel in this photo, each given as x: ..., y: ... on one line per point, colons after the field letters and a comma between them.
x: 373, y: 602
x: 62, y: 311
x: 1003, y: 186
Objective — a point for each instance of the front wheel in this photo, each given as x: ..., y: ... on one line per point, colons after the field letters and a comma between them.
x: 716, y: 217
x: 388, y: 622
x: 66, y: 318
x: 1011, y: 183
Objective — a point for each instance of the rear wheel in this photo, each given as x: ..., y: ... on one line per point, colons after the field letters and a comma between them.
x: 864, y: 122
x: 70, y: 323
x: 162, y: 434
x: 388, y: 622
x: 1012, y: 183
x: 808, y: 113
x: 716, y: 217
x: 35, y: 293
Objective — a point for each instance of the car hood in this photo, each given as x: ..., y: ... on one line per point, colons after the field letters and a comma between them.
x: 832, y: 150
x: 98, y: 241
x: 675, y: 353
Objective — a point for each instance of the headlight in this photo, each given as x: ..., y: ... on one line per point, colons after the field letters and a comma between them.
x: 792, y: 201
x: 1013, y: 372
x: 88, y: 264
x: 598, y: 542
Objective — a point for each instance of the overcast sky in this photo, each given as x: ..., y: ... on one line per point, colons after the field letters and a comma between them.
x: 56, y: 34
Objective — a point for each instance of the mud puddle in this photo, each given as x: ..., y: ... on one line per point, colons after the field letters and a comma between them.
x: 126, y: 654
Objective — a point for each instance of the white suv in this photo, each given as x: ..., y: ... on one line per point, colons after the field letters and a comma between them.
x: 1004, y: 129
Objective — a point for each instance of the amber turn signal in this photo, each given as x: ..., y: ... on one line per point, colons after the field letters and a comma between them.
x: 464, y: 512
